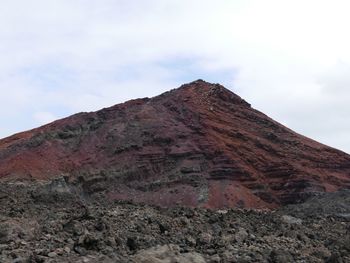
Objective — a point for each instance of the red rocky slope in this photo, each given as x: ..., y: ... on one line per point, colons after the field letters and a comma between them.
x: 198, y: 145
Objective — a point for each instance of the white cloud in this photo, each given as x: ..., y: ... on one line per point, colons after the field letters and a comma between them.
x: 288, y: 58
x: 44, y: 117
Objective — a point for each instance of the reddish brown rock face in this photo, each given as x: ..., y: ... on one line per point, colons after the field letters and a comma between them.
x: 199, y: 145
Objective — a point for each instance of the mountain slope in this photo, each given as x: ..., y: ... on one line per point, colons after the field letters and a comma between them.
x: 198, y: 145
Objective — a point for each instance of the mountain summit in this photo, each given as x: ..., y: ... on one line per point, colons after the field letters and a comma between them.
x: 198, y: 145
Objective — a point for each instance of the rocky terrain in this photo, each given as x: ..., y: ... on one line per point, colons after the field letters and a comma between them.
x: 199, y: 146
x: 55, y: 222
x: 193, y: 175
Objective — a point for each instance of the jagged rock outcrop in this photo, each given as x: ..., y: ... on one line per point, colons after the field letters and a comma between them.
x: 198, y: 145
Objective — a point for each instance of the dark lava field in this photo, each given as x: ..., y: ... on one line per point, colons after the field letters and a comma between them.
x: 55, y: 222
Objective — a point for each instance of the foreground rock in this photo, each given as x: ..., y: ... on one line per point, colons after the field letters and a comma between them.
x: 74, y: 229
x: 167, y: 254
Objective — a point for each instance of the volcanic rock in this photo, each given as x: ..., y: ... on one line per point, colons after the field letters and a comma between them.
x: 199, y: 145
x: 167, y: 254
x: 44, y: 232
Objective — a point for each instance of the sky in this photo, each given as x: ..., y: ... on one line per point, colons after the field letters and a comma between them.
x: 289, y: 58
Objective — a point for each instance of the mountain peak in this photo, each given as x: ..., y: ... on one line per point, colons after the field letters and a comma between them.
x: 203, y: 91
x: 200, y: 86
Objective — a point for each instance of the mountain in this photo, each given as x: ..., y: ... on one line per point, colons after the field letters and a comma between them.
x: 198, y: 145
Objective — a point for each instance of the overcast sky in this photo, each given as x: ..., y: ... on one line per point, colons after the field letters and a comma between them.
x: 289, y: 59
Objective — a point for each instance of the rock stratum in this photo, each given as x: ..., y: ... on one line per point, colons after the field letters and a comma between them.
x: 199, y: 145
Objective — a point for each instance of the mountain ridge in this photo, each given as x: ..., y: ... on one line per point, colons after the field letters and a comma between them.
x: 198, y: 145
